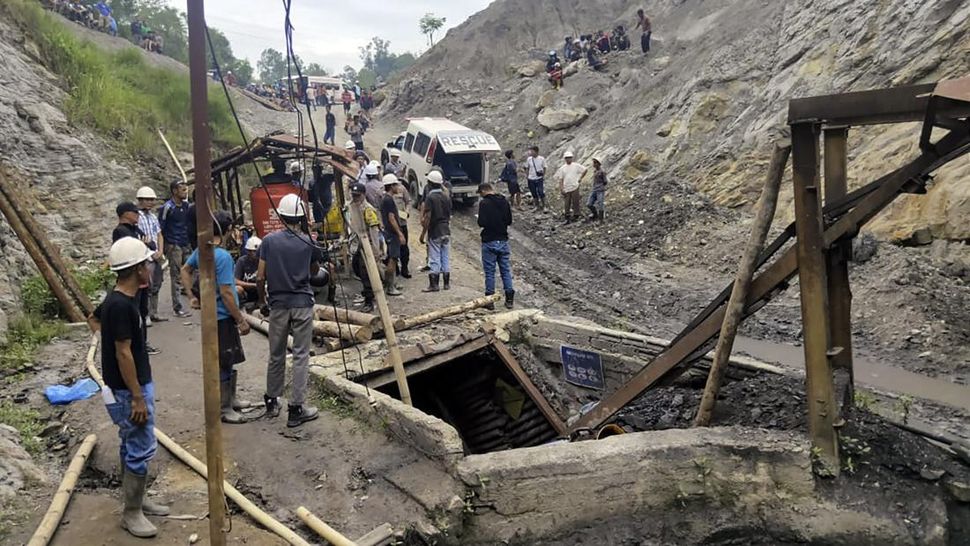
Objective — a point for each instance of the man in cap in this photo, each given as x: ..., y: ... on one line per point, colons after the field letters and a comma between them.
x: 287, y: 260
x: 174, y: 220
x: 295, y: 170
x: 245, y: 272
x: 393, y: 233
x: 129, y: 392
x: 374, y: 185
x: 148, y: 224
x: 568, y: 177
x: 355, y: 131
x: 597, y: 197
x: 364, y: 226
x: 230, y: 322
x: 394, y: 165
x: 128, y: 227
x: 495, y: 217
x: 436, y: 220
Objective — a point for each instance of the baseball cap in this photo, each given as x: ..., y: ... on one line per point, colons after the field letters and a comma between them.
x: 126, y: 206
x: 358, y: 188
x: 176, y: 184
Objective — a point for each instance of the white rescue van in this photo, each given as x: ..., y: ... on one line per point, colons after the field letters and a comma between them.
x: 459, y: 152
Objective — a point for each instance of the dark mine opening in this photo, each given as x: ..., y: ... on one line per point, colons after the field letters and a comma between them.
x: 479, y: 395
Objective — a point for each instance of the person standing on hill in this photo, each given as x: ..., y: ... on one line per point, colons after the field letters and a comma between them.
x: 510, y: 175
x: 175, y: 221
x: 436, y: 220
x: 646, y: 28
x: 568, y: 177
x: 495, y: 217
x: 329, y: 136
x: 535, y: 167
x: 597, y: 197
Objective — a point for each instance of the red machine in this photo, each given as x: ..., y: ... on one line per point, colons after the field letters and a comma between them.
x: 265, y: 220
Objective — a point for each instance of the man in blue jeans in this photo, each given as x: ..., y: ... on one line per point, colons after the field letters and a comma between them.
x: 495, y: 217
x: 129, y: 392
x: 436, y: 221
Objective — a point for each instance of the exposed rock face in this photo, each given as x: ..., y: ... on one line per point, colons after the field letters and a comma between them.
x: 556, y: 119
x: 16, y: 467
x: 712, y: 95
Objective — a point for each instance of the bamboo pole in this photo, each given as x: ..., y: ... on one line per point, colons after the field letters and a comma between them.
x: 53, y: 254
x: 171, y: 154
x: 419, y: 320
x: 350, y: 332
x: 241, y: 501
x: 55, y: 283
x: 48, y: 526
x: 346, y: 316
x: 742, y: 283
x: 325, y: 531
x: 370, y: 262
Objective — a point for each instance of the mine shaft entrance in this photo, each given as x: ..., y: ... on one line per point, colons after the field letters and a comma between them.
x: 478, y: 388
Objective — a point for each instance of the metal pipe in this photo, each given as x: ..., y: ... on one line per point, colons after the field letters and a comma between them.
x: 210, y: 336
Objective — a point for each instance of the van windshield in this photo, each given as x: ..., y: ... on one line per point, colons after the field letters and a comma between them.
x: 463, y: 169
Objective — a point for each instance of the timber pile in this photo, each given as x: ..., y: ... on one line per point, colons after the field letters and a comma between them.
x: 268, y: 103
x: 45, y: 255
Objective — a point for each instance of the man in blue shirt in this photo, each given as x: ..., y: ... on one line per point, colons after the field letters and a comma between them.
x: 287, y: 261
x: 173, y: 217
x: 231, y: 324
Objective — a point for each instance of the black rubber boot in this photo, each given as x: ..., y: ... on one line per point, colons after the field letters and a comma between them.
x: 229, y: 415
x: 509, y: 299
x: 594, y: 215
x: 237, y: 404
x: 433, y: 279
x: 301, y: 414
x: 447, y: 281
x: 272, y: 407
x: 601, y: 215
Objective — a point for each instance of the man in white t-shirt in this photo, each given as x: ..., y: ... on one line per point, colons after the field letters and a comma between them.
x: 568, y: 177
x: 535, y: 168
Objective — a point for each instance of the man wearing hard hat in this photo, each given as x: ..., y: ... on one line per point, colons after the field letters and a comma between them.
x: 148, y: 223
x: 287, y: 260
x: 568, y: 177
x: 129, y: 392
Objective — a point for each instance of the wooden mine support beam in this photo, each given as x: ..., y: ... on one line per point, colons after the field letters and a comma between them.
x: 813, y: 289
x: 837, y: 269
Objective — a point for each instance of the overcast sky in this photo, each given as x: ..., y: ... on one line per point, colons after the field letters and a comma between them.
x: 327, y: 31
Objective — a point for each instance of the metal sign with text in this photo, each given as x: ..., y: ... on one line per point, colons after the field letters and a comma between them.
x: 582, y: 368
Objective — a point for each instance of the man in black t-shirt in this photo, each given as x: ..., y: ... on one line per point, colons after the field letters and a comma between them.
x: 393, y: 235
x: 128, y: 227
x: 436, y: 220
x: 129, y: 392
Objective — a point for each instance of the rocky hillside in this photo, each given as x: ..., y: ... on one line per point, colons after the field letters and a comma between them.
x: 704, y: 106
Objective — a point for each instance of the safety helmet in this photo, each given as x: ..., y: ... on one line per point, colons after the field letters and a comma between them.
x: 395, y: 153
x: 370, y: 170
x: 350, y: 145
x: 552, y: 53
x: 389, y: 180
x: 291, y: 206
x: 435, y: 177
x: 145, y: 192
x: 253, y: 243
x: 568, y: 155
x: 127, y: 252
x: 295, y: 167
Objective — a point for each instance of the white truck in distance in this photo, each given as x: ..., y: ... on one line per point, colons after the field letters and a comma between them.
x: 459, y: 152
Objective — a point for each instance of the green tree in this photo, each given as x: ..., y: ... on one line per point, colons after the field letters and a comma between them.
x: 349, y: 75
x: 378, y: 58
x: 242, y: 70
x: 167, y: 22
x: 314, y: 69
x: 366, y: 78
x: 271, y: 66
x: 429, y: 24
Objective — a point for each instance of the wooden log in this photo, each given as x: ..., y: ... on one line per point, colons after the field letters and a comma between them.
x: 349, y: 332
x: 48, y: 526
x: 52, y: 253
x: 325, y: 531
x: 419, y: 320
x: 346, y: 316
x: 234, y: 495
x: 742, y: 283
x: 54, y: 281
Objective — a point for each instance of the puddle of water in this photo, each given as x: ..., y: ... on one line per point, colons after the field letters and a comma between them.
x: 868, y: 371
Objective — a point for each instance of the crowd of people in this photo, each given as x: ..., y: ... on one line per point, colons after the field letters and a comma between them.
x: 94, y: 15
x: 594, y: 46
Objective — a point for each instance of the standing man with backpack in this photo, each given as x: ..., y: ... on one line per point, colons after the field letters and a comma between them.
x: 287, y: 261
x: 175, y: 221
x: 535, y: 167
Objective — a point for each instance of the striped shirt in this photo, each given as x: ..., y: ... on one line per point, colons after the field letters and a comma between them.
x: 149, y: 225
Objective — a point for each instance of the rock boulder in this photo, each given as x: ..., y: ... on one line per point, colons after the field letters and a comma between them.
x: 557, y: 119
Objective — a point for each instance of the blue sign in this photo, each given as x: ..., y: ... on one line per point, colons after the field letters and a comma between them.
x: 582, y: 368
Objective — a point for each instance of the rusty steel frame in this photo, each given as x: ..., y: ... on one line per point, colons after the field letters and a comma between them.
x: 840, y: 219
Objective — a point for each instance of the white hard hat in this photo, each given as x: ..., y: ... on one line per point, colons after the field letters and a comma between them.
x: 370, y: 170
x: 350, y: 145
x: 295, y: 167
x: 568, y: 154
x: 389, y: 180
x: 291, y: 206
x: 597, y: 159
x: 127, y: 252
x: 435, y: 177
x: 145, y: 192
x: 253, y: 243
x: 395, y: 153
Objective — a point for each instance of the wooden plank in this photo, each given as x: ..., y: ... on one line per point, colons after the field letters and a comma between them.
x: 523, y: 378
x: 386, y: 376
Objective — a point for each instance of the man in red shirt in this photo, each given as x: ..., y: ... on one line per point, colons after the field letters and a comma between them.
x: 347, y: 98
x: 643, y: 23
